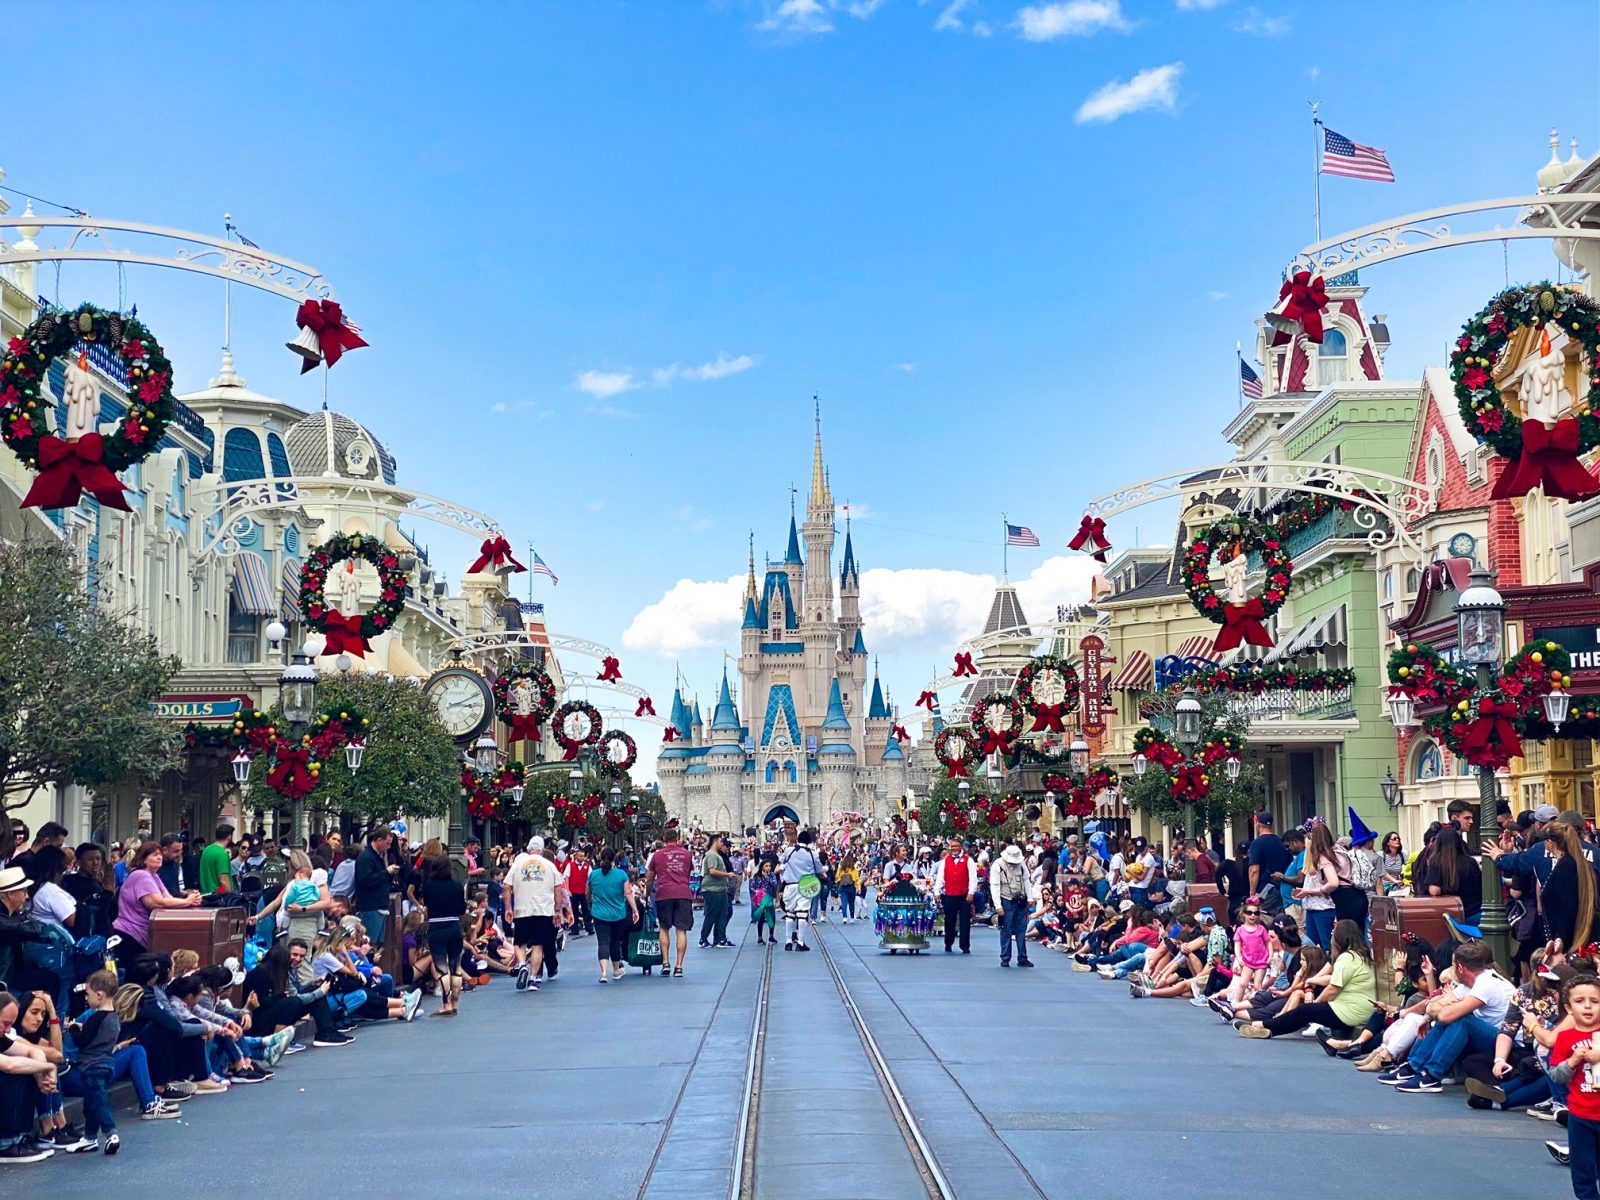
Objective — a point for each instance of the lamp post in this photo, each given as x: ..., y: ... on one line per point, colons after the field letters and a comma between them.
x: 1186, y: 732
x: 1390, y: 787
x: 616, y: 807
x: 297, y: 692
x: 963, y: 794
x: 1480, y: 643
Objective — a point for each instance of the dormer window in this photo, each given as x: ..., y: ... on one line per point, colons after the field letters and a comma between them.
x: 1333, y: 358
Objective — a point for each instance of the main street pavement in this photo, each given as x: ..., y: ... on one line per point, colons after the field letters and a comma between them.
x: 1022, y: 1083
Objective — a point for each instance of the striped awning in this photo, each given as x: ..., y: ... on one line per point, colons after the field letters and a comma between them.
x: 1202, y: 647
x: 252, y: 585
x: 1324, y: 629
x: 289, y: 600
x: 1136, y: 674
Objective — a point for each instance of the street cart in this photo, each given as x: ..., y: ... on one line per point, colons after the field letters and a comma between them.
x: 903, y: 918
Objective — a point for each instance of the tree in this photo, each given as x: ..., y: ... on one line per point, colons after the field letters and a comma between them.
x: 934, y: 822
x: 410, y: 766
x: 79, y: 682
x: 1151, y: 793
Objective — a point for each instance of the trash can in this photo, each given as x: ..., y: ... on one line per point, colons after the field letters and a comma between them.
x: 902, y: 918
x: 215, y: 934
x: 1392, y: 917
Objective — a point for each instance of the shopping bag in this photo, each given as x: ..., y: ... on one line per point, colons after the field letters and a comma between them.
x: 644, y: 947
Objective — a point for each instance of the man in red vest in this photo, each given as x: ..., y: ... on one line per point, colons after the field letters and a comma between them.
x: 955, y: 882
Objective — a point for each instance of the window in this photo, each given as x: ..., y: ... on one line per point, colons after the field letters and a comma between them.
x: 1413, y: 581
x: 1333, y: 358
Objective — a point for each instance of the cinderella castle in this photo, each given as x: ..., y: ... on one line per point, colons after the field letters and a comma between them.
x: 803, y: 742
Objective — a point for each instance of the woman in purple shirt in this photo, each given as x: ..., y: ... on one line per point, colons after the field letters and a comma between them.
x: 142, y: 893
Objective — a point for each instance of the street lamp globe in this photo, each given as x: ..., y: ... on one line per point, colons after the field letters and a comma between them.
x: 241, y: 768
x: 550, y: 814
x: 1390, y: 786
x: 353, y: 750
x: 1141, y: 764
x: 485, y: 754
x: 1556, y: 703
x: 298, y: 688
x: 1078, y: 755
x: 276, y: 632
x: 1049, y: 798
x: 1186, y: 719
x: 574, y: 784
x: 963, y: 789
x: 1232, y: 768
x: 616, y: 797
x: 1480, y: 622
x: 1402, y: 709
x: 516, y: 794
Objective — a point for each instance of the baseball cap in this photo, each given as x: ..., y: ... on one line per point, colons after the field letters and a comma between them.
x: 1572, y: 817
x: 351, y: 925
x: 1206, y: 916
x: 535, y: 844
x: 1125, y: 906
x: 1264, y: 818
x: 1546, y: 813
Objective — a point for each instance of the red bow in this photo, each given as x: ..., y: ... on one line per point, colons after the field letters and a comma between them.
x: 335, y: 335
x: 290, y: 776
x: 1047, y: 718
x: 1549, y: 457
x: 996, y: 741
x: 68, y: 469
x: 669, y: 734
x: 1490, y: 741
x: 1242, y: 623
x: 1307, y: 301
x: 1188, y: 783
x: 957, y: 770
x: 927, y: 700
x: 1091, y: 532
x: 610, y: 670
x: 495, y: 551
x: 899, y: 732
x: 964, y: 664
x: 344, y: 635
x: 646, y: 705
x: 482, y: 806
x: 524, y: 728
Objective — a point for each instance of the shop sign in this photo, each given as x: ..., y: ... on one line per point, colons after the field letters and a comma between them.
x: 201, y: 707
x: 1092, y: 681
x: 1580, y: 641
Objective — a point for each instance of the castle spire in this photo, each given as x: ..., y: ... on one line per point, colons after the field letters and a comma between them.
x: 750, y: 579
x: 820, y: 496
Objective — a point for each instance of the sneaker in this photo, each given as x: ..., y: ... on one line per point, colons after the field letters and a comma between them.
x: 1313, y: 1031
x: 169, y: 1095
x: 789, y: 945
x: 184, y: 1086
x: 705, y: 945
x: 1200, y: 1002
x: 113, y: 1144
x: 83, y: 1146
x: 25, y: 1151
x: 278, y: 1045
x: 1139, y: 991
x: 801, y: 946
x: 294, y: 1048
x: 533, y: 985
x: 1024, y: 962
x: 210, y: 1087
x: 333, y: 1039
x: 1558, y: 1152
x: 1485, y: 1091
x: 1105, y: 972
x: 409, y: 1003
x: 158, y: 1111
x: 1254, y: 1031
x: 1545, y: 1110
x: 522, y: 977
x: 66, y: 1138
x: 1079, y: 964
x: 1399, y: 1073
x: 551, y: 970
x: 725, y: 945
x: 1421, y: 1084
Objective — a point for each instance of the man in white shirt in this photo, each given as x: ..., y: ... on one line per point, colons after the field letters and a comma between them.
x: 1462, y: 1024
x: 530, y: 896
x: 955, y: 881
x: 1008, y: 885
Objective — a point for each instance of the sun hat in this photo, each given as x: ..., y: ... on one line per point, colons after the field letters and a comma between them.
x: 535, y: 844
x: 1012, y: 854
x: 13, y: 879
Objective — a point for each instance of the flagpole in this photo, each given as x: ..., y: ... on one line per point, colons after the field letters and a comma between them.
x: 531, y: 571
x: 1005, y: 547
x: 1238, y: 374
x: 1316, y: 161
x: 227, y: 290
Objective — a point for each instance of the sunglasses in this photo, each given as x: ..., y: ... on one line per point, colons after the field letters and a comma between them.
x: 1251, y: 912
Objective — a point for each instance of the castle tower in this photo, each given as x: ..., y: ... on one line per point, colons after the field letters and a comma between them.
x: 725, y: 763
x: 836, y: 761
x: 879, y: 719
x: 819, y: 627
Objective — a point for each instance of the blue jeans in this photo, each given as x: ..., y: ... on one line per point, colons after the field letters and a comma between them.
x: 1014, y: 927
x: 1437, y: 1053
x: 1120, y: 954
x: 1139, y: 896
x: 128, y: 1063
x: 1526, y: 1091
x: 847, y: 900
x: 1583, y: 1144
x: 1319, y: 925
x: 97, y: 1116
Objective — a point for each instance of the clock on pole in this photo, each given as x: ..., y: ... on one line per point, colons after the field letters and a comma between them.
x: 463, y: 700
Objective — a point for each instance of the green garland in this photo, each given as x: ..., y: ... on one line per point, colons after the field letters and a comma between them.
x: 1244, y: 536
x: 617, y: 765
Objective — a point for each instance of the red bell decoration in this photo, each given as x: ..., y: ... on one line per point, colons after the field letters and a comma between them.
x: 324, y: 334
x: 495, y: 552
x: 1091, y: 533
x: 1301, y: 302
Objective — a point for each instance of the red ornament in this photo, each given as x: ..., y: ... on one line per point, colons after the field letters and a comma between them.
x: 334, y: 334
x: 1549, y: 460
x: 495, y: 551
x: 1307, y: 300
x: 1091, y: 532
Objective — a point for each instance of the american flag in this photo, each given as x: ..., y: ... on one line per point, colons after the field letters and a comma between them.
x: 234, y: 229
x: 1249, y: 381
x: 1341, y: 156
x: 1020, y: 535
x: 540, y: 567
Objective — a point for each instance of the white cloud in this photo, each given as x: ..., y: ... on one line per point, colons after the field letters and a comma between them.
x: 499, y: 406
x: 1152, y: 88
x: 1258, y: 24
x: 802, y: 17
x: 857, y: 512
x: 1214, y: 295
x: 611, y: 410
x: 692, y: 519
x: 1200, y: 5
x: 860, y: 9
x: 982, y: 29
x: 724, y: 366
x: 1313, y: 72
x: 604, y: 384
x: 1071, y: 18
x: 907, y: 367
x: 950, y: 17
x: 914, y: 611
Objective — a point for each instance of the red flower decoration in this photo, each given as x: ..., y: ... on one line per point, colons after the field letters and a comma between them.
x: 1475, y: 378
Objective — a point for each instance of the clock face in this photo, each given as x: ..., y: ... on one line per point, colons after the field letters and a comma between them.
x: 462, y: 700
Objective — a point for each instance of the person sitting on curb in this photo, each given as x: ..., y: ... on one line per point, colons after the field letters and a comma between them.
x: 1470, y: 1019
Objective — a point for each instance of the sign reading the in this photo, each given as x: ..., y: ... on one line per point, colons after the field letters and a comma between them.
x: 201, y: 707
x: 1580, y: 641
x: 1093, y: 697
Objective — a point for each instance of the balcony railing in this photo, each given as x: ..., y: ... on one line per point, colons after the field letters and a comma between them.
x: 1285, y: 705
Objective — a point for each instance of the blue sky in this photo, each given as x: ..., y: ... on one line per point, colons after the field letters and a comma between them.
x: 605, y: 253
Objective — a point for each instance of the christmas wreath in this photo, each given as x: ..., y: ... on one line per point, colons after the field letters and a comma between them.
x: 618, y: 752
x: 999, y: 718
x: 1075, y: 799
x: 524, y: 727
x: 576, y: 724
x: 1541, y: 456
x: 952, y: 746
x: 351, y: 634
x: 489, y: 795
x: 88, y: 463
x: 1482, y: 728
x: 1048, y: 688
x: 1191, y: 783
x: 1240, y: 622
x: 1156, y: 747
x: 294, y: 768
